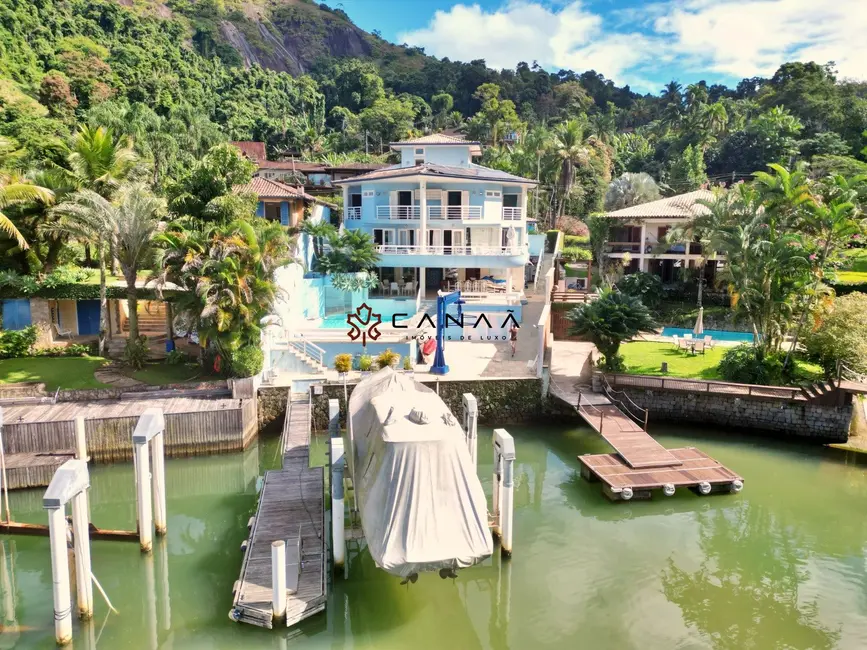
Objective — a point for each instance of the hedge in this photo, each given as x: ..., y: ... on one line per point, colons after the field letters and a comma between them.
x: 551, y: 240
x: 843, y: 288
x: 79, y: 292
x: 576, y: 240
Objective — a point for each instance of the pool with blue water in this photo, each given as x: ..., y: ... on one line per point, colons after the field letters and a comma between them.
x: 338, y: 321
x: 717, y: 335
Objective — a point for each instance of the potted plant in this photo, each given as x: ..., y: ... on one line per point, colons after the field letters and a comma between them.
x: 343, y: 364
x: 407, y: 365
x: 387, y: 358
x: 365, y: 362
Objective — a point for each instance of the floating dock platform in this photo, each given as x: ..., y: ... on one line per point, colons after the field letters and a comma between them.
x: 291, y: 509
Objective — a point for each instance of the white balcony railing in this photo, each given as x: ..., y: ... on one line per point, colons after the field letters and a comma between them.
x: 398, y: 212
x: 353, y: 214
x: 513, y: 214
x: 390, y: 249
x: 455, y: 212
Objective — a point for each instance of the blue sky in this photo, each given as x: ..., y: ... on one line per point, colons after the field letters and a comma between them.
x: 644, y: 44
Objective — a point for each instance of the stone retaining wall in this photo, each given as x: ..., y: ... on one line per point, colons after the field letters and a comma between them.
x: 797, y: 419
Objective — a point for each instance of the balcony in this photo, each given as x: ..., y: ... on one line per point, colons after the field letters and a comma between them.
x: 353, y: 214
x: 390, y: 249
x: 455, y: 212
x: 398, y: 212
x: 654, y: 248
x: 513, y: 214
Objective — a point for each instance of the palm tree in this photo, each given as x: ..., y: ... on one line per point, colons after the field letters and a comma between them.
x: 88, y: 217
x: 319, y: 232
x: 15, y: 190
x: 99, y: 162
x: 631, y: 189
x: 136, y: 218
x: 572, y: 152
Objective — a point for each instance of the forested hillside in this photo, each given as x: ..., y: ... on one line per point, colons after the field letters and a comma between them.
x: 181, y: 75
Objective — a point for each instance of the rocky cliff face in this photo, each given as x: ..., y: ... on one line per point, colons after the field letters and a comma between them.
x: 293, y: 37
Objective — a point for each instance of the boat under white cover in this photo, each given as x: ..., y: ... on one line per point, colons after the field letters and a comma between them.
x: 422, y: 506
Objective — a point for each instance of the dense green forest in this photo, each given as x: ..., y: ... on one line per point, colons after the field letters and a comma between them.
x: 174, y: 76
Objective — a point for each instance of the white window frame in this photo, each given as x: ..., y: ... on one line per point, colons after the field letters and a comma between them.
x: 367, y: 194
x: 493, y: 194
x: 388, y: 236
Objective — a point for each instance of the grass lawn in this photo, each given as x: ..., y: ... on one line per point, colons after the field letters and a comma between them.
x: 852, y: 276
x: 159, y: 374
x: 572, y: 272
x: 645, y: 358
x: 58, y: 372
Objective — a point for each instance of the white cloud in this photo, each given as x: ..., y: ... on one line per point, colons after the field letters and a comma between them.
x: 733, y: 38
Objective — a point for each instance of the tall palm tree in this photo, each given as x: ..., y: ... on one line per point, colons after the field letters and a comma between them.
x: 88, y: 217
x: 15, y: 190
x: 99, y: 162
x: 572, y: 152
x: 136, y: 217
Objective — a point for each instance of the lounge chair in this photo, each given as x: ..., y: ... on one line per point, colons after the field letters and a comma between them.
x: 62, y: 332
x: 708, y: 341
x: 676, y: 340
x: 698, y: 346
x: 395, y: 289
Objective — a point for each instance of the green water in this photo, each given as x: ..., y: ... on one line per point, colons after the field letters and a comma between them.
x: 781, y: 565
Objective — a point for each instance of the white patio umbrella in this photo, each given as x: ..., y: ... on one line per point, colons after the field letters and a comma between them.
x: 698, y: 330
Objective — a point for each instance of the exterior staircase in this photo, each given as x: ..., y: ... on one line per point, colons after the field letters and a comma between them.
x: 824, y: 392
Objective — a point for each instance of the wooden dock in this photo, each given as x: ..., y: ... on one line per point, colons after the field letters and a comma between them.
x: 641, y: 464
x: 292, y: 509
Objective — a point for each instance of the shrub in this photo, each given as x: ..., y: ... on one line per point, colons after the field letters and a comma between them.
x: 17, y: 343
x: 365, y: 362
x: 177, y: 358
x: 744, y: 364
x: 247, y: 362
x: 73, y: 350
x: 841, y: 334
x: 575, y: 254
x: 644, y: 286
x: 343, y: 362
x: 136, y: 352
x: 387, y: 358
x: 575, y: 240
x: 551, y: 240
x: 407, y: 363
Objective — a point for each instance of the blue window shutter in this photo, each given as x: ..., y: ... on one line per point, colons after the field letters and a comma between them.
x: 260, y: 209
x: 284, y: 213
x: 16, y: 314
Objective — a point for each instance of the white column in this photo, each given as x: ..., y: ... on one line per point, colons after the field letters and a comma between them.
x: 80, y: 439
x: 60, y: 576
x: 422, y: 279
x: 143, y: 497
x: 495, y: 495
x: 422, y: 191
x: 504, y: 482
x: 81, y: 536
x: 346, y: 200
x: 471, y: 424
x: 159, y: 483
x: 642, y: 260
x: 524, y: 204
x: 278, y: 579
x: 338, y: 538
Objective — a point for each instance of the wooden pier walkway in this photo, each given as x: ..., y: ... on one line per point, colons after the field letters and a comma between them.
x: 641, y: 464
x: 291, y: 508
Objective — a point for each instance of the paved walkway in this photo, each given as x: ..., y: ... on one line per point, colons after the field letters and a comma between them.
x: 109, y: 374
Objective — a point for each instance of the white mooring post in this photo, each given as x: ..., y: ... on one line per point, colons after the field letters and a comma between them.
x: 338, y: 539
x: 150, y: 426
x: 333, y: 417
x: 278, y: 579
x: 471, y: 425
x: 504, y: 487
x: 69, y: 482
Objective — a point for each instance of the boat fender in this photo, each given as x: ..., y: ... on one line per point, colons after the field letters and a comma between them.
x: 668, y: 489
x: 244, y: 545
x: 626, y: 493
x: 736, y: 486
x: 418, y: 416
x: 704, y: 487
x: 234, y: 615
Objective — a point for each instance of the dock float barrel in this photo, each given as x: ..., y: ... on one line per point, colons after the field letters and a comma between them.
x: 278, y: 579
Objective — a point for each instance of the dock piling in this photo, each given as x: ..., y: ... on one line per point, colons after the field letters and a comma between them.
x: 504, y: 502
x: 80, y: 526
x: 471, y: 425
x: 143, y: 497
x: 159, y: 483
x: 150, y: 427
x: 278, y: 579
x: 338, y: 539
x: 60, y: 576
x: 334, y: 417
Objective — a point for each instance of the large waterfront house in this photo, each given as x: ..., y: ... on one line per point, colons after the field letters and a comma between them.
x: 438, y: 219
x: 639, y: 236
x: 278, y: 201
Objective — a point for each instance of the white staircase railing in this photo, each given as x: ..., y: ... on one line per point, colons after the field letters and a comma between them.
x: 308, y: 349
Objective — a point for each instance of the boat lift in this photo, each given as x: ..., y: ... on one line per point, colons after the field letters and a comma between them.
x: 502, y: 510
x: 444, y: 300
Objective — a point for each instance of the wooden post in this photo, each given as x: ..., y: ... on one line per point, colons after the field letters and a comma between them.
x: 601, y: 419
x: 143, y: 497
x: 60, y: 576
x: 278, y: 579
x: 159, y: 483
x: 646, y: 413
x: 81, y: 537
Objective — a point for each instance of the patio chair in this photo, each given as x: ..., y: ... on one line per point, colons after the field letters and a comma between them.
x: 409, y: 288
x: 62, y: 332
x: 676, y: 340
x: 395, y: 289
x: 698, y: 346
x: 683, y: 344
x: 708, y: 341
x: 383, y: 287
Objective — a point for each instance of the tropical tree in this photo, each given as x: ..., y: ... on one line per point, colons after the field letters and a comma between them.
x: 350, y: 251
x: 319, y: 232
x: 98, y: 161
x: 572, y: 152
x: 609, y: 320
x: 16, y: 190
x: 135, y: 219
x: 631, y: 189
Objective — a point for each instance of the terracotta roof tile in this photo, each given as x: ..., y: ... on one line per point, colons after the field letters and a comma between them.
x: 681, y: 206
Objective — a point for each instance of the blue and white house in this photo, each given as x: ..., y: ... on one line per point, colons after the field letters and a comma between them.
x: 440, y: 221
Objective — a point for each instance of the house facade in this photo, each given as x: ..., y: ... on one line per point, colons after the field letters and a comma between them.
x: 438, y: 219
x: 638, y: 237
x: 280, y: 202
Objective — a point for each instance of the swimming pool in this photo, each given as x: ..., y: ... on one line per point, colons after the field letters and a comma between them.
x: 338, y: 321
x: 717, y: 335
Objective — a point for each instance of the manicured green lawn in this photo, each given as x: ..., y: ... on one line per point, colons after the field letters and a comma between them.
x: 159, y: 374
x: 852, y: 276
x: 572, y: 272
x: 62, y: 372
x: 645, y: 358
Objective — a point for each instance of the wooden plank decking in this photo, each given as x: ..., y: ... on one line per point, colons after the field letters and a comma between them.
x: 291, y: 508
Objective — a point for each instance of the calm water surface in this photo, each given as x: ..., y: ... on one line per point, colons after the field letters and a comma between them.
x: 781, y: 565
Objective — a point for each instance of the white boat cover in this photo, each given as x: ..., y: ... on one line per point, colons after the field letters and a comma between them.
x: 422, y: 506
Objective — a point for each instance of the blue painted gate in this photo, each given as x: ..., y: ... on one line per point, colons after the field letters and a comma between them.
x: 16, y: 314
x: 88, y: 317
